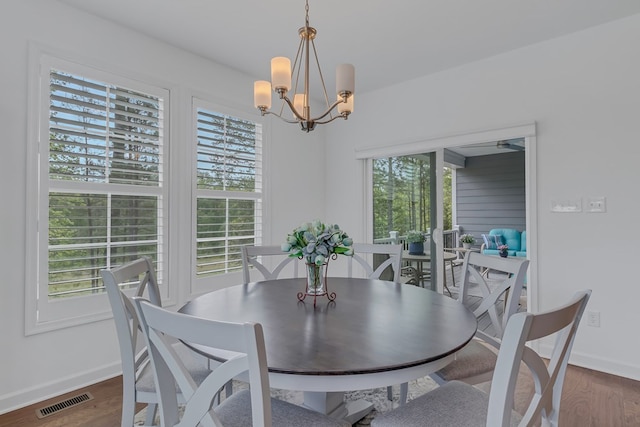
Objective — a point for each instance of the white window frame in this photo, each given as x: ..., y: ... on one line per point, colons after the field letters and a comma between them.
x: 42, y: 314
x: 204, y: 284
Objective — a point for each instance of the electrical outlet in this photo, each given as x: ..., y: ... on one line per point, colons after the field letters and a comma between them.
x: 596, y: 204
x: 593, y: 319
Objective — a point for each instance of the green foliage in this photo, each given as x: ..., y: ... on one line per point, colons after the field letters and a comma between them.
x: 401, y: 195
x: 414, y: 236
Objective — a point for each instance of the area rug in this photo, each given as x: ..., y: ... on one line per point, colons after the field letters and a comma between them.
x: 376, y: 396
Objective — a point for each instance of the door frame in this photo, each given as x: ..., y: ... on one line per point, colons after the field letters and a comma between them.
x: 438, y: 144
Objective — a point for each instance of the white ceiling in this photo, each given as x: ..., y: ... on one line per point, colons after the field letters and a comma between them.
x: 387, y: 41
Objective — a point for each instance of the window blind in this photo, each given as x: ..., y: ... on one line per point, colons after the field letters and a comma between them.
x: 229, y: 190
x: 105, y: 181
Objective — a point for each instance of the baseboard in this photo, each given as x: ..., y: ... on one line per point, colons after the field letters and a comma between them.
x: 613, y: 367
x: 21, y: 398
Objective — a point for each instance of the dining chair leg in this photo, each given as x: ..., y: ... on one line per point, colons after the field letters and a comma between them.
x: 404, y: 392
x: 152, y: 408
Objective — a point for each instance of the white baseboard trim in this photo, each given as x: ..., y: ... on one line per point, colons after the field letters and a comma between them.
x: 21, y: 398
x: 609, y: 366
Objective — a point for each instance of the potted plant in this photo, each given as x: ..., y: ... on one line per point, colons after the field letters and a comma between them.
x: 467, y: 240
x: 503, y: 250
x: 416, y: 242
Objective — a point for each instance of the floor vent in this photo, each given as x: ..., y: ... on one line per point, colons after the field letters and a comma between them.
x: 68, y: 403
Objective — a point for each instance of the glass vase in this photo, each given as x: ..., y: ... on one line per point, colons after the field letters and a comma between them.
x: 315, y: 279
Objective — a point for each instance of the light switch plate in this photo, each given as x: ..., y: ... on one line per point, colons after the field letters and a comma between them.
x: 566, y: 206
x: 596, y: 204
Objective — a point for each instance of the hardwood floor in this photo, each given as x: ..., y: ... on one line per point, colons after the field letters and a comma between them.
x: 103, y: 411
x: 589, y: 399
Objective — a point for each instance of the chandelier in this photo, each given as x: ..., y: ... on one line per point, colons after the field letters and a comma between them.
x: 281, y: 77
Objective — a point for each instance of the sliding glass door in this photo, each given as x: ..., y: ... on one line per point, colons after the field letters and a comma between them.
x: 406, y: 191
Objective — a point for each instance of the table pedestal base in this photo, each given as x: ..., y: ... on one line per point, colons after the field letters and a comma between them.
x: 333, y: 404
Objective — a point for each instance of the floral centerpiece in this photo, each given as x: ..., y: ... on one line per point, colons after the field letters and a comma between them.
x: 316, y: 242
x: 467, y: 240
x: 503, y: 250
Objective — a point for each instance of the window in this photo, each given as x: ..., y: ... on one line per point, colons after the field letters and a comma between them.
x: 101, y: 186
x: 228, y: 188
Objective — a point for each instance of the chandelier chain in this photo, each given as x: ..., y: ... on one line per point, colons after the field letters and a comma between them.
x: 306, y: 9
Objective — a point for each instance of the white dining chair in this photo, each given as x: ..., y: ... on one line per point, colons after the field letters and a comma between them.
x: 460, y: 404
x: 474, y: 363
x: 500, y: 300
x: 137, y: 378
x: 383, y: 256
x: 255, y: 257
x: 253, y: 407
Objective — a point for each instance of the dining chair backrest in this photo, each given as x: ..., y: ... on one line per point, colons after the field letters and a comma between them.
x: 548, y: 377
x: 383, y: 257
x: 255, y: 256
x: 246, y: 340
x: 459, y: 403
x: 500, y: 298
x: 138, y: 274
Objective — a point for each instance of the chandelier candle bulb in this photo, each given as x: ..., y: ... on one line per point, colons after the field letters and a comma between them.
x: 281, y: 73
x: 262, y: 94
x: 345, y: 79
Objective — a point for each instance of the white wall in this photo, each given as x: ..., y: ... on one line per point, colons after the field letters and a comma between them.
x: 38, y: 366
x: 583, y: 92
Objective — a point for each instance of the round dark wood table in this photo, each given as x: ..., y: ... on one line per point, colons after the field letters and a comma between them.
x: 375, y: 334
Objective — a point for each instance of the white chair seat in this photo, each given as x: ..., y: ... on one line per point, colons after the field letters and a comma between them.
x: 473, y: 361
x: 236, y: 412
x: 434, y: 409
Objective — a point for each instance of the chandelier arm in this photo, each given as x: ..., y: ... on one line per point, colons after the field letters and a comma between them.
x: 339, y: 101
x: 341, y: 116
x: 293, y: 109
x: 279, y: 116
